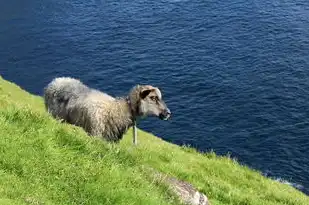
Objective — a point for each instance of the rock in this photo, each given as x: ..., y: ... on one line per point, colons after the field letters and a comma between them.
x: 184, y: 190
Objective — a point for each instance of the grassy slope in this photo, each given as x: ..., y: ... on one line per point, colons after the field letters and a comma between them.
x: 44, y: 161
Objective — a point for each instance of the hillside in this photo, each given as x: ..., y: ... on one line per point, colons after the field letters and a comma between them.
x: 43, y: 161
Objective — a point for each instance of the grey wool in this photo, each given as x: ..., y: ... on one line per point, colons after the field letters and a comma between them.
x: 98, y: 113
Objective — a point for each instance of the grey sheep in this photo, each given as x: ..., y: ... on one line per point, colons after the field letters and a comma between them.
x: 100, y: 114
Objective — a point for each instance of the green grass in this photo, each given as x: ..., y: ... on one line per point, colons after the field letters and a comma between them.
x: 43, y: 161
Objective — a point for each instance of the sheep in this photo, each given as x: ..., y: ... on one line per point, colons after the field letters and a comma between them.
x: 100, y: 114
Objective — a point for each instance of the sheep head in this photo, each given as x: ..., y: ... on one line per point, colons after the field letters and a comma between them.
x: 146, y: 100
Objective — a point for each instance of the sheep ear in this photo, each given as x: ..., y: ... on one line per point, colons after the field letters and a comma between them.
x: 145, y: 92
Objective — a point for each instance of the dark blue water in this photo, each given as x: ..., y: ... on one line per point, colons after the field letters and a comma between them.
x: 234, y: 73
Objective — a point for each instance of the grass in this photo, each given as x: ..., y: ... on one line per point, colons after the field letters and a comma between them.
x: 43, y: 161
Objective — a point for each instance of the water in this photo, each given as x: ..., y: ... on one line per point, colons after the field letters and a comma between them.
x: 234, y: 73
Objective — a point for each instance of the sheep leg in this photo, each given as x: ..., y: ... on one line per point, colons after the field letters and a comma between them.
x: 134, y: 133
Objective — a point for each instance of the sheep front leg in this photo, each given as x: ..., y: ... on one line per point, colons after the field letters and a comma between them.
x: 134, y: 133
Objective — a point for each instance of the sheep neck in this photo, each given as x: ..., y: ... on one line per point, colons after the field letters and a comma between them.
x: 127, y: 99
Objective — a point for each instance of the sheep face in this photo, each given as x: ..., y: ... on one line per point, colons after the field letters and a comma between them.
x: 151, y: 103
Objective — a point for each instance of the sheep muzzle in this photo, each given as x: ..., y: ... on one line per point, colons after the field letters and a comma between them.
x: 165, y: 115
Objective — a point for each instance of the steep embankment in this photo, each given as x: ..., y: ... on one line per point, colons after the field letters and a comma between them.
x: 45, y: 162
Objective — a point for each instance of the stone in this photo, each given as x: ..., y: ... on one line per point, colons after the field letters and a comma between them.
x: 186, y: 192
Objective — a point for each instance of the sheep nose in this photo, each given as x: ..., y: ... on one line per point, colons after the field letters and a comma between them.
x: 168, y: 112
x: 165, y: 114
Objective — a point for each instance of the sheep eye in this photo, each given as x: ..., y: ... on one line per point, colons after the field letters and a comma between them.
x: 153, y: 98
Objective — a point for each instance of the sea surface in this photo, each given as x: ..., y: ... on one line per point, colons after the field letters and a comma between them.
x: 235, y: 74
